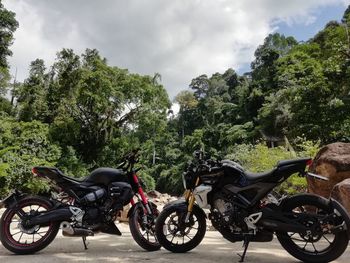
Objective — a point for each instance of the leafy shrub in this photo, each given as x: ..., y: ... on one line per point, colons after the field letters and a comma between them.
x: 24, y: 145
x: 147, y: 180
x: 260, y: 158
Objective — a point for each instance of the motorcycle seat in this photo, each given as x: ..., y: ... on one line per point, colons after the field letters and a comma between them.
x: 100, y: 176
x: 259, y: 176
x: 293, y: 162
x: 281, y: 165
x: 57, y: 175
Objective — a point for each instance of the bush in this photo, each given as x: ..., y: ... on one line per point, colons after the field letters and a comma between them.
x: 71, y: 165
x: 260, y: 158
x: 22, y: 146
x: 147, y: 180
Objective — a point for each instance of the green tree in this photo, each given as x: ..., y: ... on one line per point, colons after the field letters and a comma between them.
x: 32, y: 94
x: 8, y: 26
x: 100, y: 102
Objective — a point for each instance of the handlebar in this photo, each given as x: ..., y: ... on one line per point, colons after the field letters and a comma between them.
x: 129, y: 159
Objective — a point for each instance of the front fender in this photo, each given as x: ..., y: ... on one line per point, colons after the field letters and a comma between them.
x: 139, y: 205
x: 178, y: 202
x: 181, y: 204
x: 337, y: 206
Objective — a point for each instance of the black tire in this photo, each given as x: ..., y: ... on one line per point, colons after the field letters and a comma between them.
x: 192, y: 243
x: 148, y: 239
x: 7, y: 224
x: 335, y: 248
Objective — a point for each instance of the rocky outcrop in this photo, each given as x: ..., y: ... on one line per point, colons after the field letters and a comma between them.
x: 333, y: 162
x: 160, y: 199
x: 341, y: 192
x: 154, y: 196
x: 123, y: 215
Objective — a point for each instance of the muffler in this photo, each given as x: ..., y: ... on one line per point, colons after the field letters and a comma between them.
x: 69, y: 231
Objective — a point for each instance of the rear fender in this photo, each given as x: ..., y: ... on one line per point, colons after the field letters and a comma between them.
x: 343, y: 213
x: 12, y: 200
x: 332, y: 203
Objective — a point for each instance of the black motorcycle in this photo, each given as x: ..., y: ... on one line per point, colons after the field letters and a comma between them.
x: 80, y: 207
x: 242, y: 208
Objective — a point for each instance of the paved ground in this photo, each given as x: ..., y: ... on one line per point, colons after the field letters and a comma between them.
x: 107, y: 248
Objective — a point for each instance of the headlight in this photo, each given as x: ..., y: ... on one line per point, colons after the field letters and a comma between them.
x: 184, y: 180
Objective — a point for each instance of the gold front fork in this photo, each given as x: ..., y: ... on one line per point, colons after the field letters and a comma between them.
x: 189, y: 196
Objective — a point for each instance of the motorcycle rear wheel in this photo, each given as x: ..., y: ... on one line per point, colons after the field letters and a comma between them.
x: 319, y: 248
x: 18, y: 238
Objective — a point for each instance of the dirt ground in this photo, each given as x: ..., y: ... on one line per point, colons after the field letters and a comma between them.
x: 107, y: 248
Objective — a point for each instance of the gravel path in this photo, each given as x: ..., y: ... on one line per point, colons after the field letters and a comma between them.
x: 107, y: 248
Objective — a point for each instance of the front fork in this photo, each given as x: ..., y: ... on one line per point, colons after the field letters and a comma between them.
x: 190, y: 199
x: 144, y: 199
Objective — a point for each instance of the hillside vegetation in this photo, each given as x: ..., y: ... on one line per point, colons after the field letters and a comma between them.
x: 83, y: 113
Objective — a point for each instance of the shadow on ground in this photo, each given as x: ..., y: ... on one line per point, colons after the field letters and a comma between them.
x: 107, y: 248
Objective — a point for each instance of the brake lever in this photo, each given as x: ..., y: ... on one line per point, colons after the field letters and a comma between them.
x: 120, y: 166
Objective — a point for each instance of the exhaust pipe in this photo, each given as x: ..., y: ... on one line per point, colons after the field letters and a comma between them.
x: 284, y: 227
x: 69, y: 231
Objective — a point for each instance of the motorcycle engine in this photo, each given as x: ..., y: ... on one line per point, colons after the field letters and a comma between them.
x: 227, y: 217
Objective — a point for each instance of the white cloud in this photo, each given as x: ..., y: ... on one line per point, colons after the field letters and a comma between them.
x: 179, y: 39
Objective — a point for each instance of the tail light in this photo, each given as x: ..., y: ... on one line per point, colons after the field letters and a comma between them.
x: 309, y: 162
x: 34, y: 171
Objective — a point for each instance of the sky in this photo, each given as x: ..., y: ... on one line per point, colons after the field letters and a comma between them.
x: 180, y: 39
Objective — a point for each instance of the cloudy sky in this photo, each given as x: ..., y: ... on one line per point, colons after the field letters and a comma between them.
x: 180, y: 39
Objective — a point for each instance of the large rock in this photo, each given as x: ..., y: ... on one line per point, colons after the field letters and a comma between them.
x: 332, y: 161
x: 153, y: 194
x: 123, y: 215
x: 341, y: 192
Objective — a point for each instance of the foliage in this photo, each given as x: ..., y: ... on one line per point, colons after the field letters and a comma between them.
x: 82, y: 113
x: 24, y: 145
x: 260, y: 158
x: 8, y: 26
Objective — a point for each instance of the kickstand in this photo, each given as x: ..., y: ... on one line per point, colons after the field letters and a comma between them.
x: 85, y: 243
x: 245, y: 245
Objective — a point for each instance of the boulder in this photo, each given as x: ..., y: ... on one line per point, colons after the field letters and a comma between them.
x: 154, y: 194
x: 341, y: 193
x: 333, y: 162
x: 123, y: 215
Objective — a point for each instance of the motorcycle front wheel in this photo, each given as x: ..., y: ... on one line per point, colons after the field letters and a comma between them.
x: 21, y: 239
x: 176, y: 235
x: 323, y: 246
x: 142, y: 228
